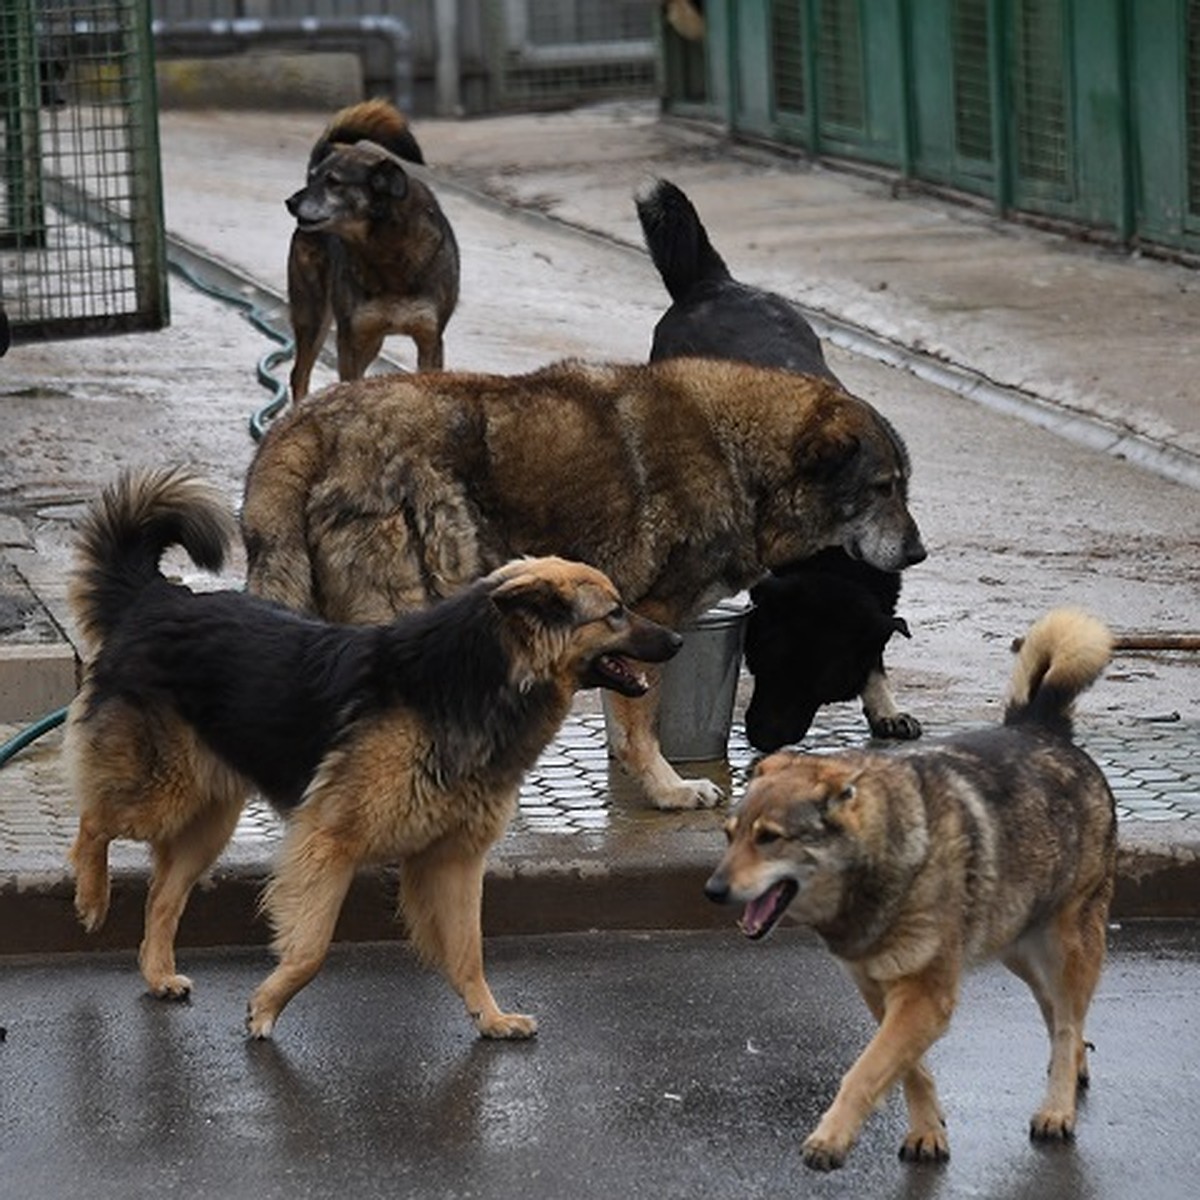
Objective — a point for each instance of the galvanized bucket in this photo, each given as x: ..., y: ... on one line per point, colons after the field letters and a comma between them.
x: 699, y: 685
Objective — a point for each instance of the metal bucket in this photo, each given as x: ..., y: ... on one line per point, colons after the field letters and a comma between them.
x: 699, y: 685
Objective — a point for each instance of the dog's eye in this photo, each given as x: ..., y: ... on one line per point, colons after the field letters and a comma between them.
x: 616, y: 615
x: 764, y: 837
x: 886, y: 487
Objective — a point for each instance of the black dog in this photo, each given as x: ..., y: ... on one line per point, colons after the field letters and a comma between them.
x: 818, y: 629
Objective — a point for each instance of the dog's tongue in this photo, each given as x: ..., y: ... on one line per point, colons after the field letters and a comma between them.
x: 760, y: 914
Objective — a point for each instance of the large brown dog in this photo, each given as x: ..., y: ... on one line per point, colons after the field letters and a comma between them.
x: 995, y: 844
x: 372, y: 248
x: 684, y: 481
x: 403, y: 742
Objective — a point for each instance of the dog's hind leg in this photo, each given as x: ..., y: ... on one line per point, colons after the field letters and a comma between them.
x: 89, y: 857
x: 357, y: 349
x: 430, y: 347
x: 441, y: 894
x: 1061, y: 963
x: 635, y: 744
x: 879, y: 707
x: 302, y: 900
x: 179, y: 862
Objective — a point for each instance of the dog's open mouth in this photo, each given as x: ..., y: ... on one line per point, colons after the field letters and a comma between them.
x: 762, y: 913
x: 613, y: 672
x: 312, y: 224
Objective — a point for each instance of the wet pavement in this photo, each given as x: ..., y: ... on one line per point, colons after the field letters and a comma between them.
x: 667, y: 1066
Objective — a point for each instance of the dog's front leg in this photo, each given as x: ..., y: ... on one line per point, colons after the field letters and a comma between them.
x: 926, y: 1139
x: 441, y: 893
x: 883, y: 716
x: 309, y: 278
x: 635, y: 743
x: 916, y: 1011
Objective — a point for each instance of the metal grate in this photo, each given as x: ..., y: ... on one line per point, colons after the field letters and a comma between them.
x: 840, y: 75
x: 787, y: 56
x: 553, y: 52
x: 972, y: 79
x: 81, y: 246
x: 554, y: 22
x: 1193, y: 107
x: 1039, y: 92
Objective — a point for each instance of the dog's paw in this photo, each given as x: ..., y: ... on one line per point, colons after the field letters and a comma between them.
x: 925, y: 1146
x: 91, y: 909
x: 508, y: 1026
x: 690, y: 793
x: 259, y: 1024
x: 900, y: 727
x: 1052, y: 1125
x: 91, y: 916
x: 171, y: 987
x: 823, y: 1154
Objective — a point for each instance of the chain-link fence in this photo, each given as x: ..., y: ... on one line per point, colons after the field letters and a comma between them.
x: 81, y: 231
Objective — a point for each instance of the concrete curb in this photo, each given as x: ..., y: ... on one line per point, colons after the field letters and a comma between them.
x: 532, y: 887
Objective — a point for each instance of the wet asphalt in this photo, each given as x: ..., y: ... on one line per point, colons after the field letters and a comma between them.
x: 668, y: 1065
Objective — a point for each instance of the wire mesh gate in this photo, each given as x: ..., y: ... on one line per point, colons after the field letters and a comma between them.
x: 548, y: 53
x: 82, y: 249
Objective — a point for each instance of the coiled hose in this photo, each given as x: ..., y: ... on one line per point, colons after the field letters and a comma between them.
x: 264, y: 369
x: 259, y: 419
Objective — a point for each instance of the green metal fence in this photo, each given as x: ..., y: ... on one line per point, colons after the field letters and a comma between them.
x: 81, y: 230
x: 1083, y: 110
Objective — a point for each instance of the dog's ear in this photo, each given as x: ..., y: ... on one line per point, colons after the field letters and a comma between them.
x: 533, y: 596
x: 389, y: 178
x: 840, y: 802
x: 821, y: 451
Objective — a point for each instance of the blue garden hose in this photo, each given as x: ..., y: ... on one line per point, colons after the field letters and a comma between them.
x: 264, y: 372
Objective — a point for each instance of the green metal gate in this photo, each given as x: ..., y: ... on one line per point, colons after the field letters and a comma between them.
x: 82, y: 248
x: 1164, y: 38
x: 1082, y: 110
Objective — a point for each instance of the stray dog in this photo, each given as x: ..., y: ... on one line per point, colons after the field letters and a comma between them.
x: 684, y: 481
x: 372, y: 249
x: 999, y: 843
x: 402, y: 742
x: 817, y: 634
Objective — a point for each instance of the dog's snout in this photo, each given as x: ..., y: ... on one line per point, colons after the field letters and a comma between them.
x: 915, y: 552
x: 717, y: 888
x: 292, y: 203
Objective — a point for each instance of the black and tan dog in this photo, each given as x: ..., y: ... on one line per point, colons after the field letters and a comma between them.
x: 684, y: 481
x: 913, y: 866
x: 819, y: 626
x: 405, y: 742
x: 372, y: 249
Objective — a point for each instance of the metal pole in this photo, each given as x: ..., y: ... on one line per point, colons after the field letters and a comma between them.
x: 449, y: 99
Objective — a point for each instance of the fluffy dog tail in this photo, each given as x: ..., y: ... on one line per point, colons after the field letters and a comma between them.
x: 127, y: 530
x: 1061, y: 656
x: 375, y: 121
x: 677, y: 241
